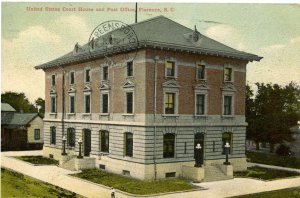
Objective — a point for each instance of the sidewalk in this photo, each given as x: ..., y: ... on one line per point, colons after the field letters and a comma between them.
x: 59, y: 177
x: 274, y: 167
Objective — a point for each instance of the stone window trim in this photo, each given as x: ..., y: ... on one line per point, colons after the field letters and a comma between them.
x: 72, y: 79
x: 104, y: 77
x: 104, y: 92
x: 203, y: 63
x: 72, y: 94
x: 232, y: 95
x: 85, y: 77
x: 175, y: 67
x: 201, y: 91
x: 53, y: 107
x: 171, y: 86
x: 88, y: 93
x: 228, y: 66
x: 125, y: 102
x: 53, y: 80
x: 127, y: 72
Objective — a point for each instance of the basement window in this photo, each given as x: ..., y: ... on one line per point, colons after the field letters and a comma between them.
x: 170, y: 174
x: 102, y: 166
x: 126, y: 172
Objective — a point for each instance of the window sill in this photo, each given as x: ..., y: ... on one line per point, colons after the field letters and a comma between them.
x: 52, y: 113
x: 170, y: 115
x: 70, y: 114
x: 104, y: 153
x: 227, y: 116
x: 201, y: 80
x: 200, y: 116
x: 128, y: 114
x: 104, y: 114
x: 86, y: 114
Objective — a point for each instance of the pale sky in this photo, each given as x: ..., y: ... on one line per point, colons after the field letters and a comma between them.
x: 30, y: 38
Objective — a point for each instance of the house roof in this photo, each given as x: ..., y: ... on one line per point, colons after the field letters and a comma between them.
x: 15, y: 120
x: 158, y: 32
x: 7, y: 107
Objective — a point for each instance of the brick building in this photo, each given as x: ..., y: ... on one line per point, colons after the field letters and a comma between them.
x: 143, y: 116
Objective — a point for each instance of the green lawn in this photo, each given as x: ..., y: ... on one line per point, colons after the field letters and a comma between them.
x: 134, y: 186
x: 265, y: 158
x: 38, y: 160
x: 265, y: 173
x: 286, y: 193
x: 17, y: 185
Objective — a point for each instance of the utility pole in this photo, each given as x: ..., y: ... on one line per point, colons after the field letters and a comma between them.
x: 136, y: 12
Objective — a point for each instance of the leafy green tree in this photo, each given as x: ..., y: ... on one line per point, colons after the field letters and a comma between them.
x: 272, y: 112
x: 18, y: 101
x: 40, y: 103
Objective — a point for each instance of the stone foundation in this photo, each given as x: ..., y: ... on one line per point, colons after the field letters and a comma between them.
x: 194, y: 173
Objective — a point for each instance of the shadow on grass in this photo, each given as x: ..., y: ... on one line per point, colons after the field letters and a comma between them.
x: 265, y: 173
x: 38, y: 160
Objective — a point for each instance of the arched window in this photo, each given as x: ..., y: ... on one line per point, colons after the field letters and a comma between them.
x: 71, y: 137
x: 169, y: 145
x: 128, y: 142
x: 104, y: 141
x: 227, y: 137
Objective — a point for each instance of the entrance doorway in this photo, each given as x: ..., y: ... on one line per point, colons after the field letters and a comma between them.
x: 86, y: 142
x: 199, y: 139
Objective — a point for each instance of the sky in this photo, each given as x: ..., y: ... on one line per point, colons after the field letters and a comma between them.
x: 30, y: 38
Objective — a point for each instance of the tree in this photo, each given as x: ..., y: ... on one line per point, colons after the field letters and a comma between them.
x: 40, y: 103
x: 18, y: 101
x: 271, y: 114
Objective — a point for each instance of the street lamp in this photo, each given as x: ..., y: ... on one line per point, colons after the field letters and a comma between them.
x: 80, y: 143
x: 64, y: 139
x: 227, y: 147
x: 198, y: 155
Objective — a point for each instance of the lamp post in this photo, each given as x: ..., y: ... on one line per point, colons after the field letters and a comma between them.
x: 80, y: 143
x: 64, y: 139
x: 227, y: 147
x: 198, y: 155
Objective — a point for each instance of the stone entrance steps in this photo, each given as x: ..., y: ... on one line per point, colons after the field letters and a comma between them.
x: 69, y: 165
x: 214, y: 173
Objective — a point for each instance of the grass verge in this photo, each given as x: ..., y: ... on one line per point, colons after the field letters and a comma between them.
x: 265, y: 173
x: 134, y: 186
x: 288, y: 193
x: 265, y: 158
x: 38, y: 160
x: 14, y: 184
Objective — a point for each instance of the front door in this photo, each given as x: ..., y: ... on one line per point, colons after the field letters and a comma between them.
x: 86, y: 142
x: 199, y: 139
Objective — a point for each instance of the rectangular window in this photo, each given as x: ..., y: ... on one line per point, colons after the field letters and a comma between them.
x: 128, y: 144
x: 129, y: 68
x: 169, y: 145
x: 105, y: 73
x: 72, y: 104
x: 71, y: 137
x: 52, y: 135
x: 227, y: 74
x: 87, y: 75
x: 53, y: 82
x: 170, y: 103
x: 170, y: 69
x: 72, y: 78
x: 200, y: 72
x: 87, y: 103
x: 53, y: 104
x: 37, y: 134
x: 104, y: 147
x: 104, y: 103
x: 200, y: 104
x: 129, y: 102
x: 227, y: 105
